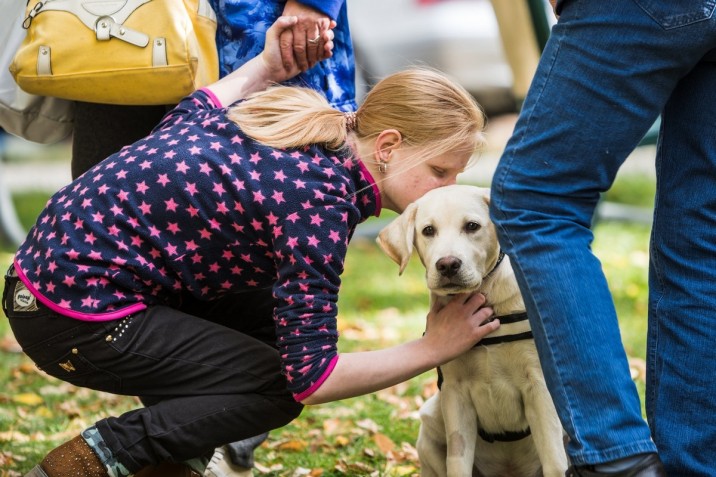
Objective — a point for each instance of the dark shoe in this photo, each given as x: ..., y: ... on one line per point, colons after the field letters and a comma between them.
x: 241, y: 453
x: 74, y: 458
x: 649, y: 466
x: 167, y: 469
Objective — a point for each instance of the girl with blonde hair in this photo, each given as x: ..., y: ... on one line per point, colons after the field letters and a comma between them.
x: 199, y: 268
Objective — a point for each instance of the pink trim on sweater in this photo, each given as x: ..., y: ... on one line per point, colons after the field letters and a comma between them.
x: 212, y: 97
x: 301, y: 396
x: 114, y: 315
x: 376, y: 191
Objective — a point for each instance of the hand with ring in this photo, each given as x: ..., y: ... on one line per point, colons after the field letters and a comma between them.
x: 307, y: 41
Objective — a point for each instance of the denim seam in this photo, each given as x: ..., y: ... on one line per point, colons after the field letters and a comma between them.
x: 505, y: 171
x: 654, y: 259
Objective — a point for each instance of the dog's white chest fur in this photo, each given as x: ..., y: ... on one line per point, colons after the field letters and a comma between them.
x: 494, y: 379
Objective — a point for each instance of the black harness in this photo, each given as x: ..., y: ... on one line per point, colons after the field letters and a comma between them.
x: 508, y: 436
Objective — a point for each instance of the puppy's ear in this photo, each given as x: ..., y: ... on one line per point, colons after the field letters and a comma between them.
x: 486, y: 195
x: 396, y: 239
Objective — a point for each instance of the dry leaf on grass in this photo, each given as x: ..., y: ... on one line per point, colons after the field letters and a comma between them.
x: 368, y: 424
x: 383, y: 442
x: 290, y: 445
x: 354, y: 468
x: 28, y: 399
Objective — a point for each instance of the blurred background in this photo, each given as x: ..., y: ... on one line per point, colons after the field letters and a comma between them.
x: 489, y: 46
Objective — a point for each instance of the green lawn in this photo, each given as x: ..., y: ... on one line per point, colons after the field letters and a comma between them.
x: 370, y: 435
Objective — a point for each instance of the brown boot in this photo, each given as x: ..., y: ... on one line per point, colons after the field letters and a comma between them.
x: 167, y: 469
x: 72, y: 459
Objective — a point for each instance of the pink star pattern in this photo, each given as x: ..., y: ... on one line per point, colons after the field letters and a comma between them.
x: 197, y: 207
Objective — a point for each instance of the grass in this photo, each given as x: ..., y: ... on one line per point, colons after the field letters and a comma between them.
x: 369, y: 435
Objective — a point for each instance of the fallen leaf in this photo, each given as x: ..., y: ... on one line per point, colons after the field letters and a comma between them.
x: 384, y: 443
x: 13, y: 436
x: 301, y: 472
x: 403, y: 470
x: 28, y: 399
x: 292, y: 445
x: 354, y: 468
x: 368, y: 425
x: 332, y: 426
x: 71, y: 409
x: 8, y: 458
x: 44, y: 412
x: 342, y: 441
x: 268, y: 470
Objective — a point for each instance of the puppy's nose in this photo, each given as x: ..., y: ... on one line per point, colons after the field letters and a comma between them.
x: 448, y: 266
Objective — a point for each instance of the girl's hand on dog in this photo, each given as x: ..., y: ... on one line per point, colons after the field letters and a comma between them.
x: 451, y: 330
x: 456, y: 327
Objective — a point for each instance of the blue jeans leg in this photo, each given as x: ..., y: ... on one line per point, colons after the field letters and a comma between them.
x: 682, y: 316
x: 606, y: 74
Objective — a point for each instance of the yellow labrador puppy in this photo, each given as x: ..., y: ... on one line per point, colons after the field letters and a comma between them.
x: 493, y: 415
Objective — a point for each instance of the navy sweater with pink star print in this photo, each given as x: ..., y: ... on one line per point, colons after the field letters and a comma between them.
x: 198, y: 207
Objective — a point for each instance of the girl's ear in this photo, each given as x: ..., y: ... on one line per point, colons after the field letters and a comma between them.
x: 387, y: 141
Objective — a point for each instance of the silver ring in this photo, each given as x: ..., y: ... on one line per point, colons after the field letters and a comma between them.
x: 315, y: 40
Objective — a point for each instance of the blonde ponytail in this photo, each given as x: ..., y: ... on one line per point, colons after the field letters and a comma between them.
x: 289, y: 117
x: 430, y: 111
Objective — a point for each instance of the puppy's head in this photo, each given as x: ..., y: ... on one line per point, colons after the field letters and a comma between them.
x: 450, y: 229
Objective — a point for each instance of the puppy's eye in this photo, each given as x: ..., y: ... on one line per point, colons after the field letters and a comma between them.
x: 472, y: 227
x: 428, y: 231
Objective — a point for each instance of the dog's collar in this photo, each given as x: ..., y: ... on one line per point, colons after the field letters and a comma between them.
x: 500, y: 257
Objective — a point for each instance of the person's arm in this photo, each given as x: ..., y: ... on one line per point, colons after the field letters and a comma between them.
x: 268, y: 68
x: 451, y: 331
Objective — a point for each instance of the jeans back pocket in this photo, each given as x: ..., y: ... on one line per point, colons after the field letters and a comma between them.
x: 674, y: 14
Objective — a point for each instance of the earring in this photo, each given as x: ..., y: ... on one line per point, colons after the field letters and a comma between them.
x: 382, y: 167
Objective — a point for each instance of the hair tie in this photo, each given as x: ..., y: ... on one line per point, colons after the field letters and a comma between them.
x: 350, y: 120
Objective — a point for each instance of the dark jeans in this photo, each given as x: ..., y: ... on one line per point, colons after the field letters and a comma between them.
x: 203, y: 371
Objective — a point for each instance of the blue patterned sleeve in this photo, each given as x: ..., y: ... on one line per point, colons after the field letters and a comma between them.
x: 329, y: 7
